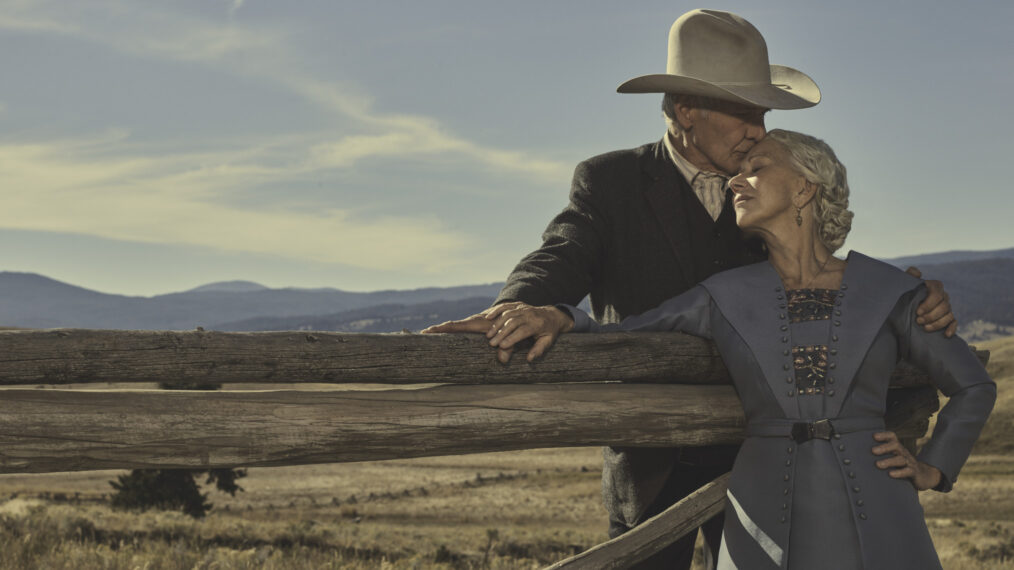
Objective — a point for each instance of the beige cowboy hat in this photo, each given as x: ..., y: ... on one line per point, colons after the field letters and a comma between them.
x: 721, y: 55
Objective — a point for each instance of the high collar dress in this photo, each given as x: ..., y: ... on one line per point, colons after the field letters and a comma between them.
x: 800, y: 359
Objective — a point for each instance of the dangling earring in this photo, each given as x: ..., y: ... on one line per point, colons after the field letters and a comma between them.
x: 799, y: 216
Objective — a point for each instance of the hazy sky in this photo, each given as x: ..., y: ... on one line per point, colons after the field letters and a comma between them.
x: 153, y: 146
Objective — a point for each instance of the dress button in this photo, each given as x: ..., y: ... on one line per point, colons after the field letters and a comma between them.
x: 837, y: 313
x: 834, y: 337
x: 860, y: 503
x: 834, y: 351
x: 832, y: 365
x: 784, y: 328
x: 788, y: 462
x: 780, y: 297
x: 841, y: 447
x: 781, y: 316
x: 782, y: 306
x: 786, y: 477
x: 856, y: 489
x: 785, y: 506
x: 785, y: 492
x: 785, y: 339
x: 784, y: 518
x: 852, y: 474
x: 844, y: 286
x: 841, y: 293
x: 785, y: 352
x: 792, y: 393
x: 789, y: 379
x: 847, y: 461
x: 837, y: 436
x: 777, y: 289
x: 830, y: 393
x: 837, y: 323
x: 862, y: 516
x: 788, y: 450
x: 830, y: 379
x: 786, y: 367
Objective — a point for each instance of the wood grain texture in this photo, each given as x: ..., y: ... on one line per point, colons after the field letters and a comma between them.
x: 66, y: 356
x: 654, y: 534
x: 74, y: 430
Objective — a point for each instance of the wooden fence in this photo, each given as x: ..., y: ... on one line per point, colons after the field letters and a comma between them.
x: 625, y: 389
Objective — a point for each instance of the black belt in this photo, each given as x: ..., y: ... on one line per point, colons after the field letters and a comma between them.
x: 818, y: 429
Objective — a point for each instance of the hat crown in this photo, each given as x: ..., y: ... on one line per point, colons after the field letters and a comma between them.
x: 718, y: 47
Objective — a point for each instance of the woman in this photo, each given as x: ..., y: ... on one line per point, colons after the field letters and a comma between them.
x: 810, y: 341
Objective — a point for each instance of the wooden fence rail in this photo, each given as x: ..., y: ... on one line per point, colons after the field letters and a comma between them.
x: 68, y: 356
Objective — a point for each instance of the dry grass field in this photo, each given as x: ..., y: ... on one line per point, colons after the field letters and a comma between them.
x: 497, y: 510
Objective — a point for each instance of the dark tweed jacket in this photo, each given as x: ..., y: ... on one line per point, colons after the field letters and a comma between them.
x: 633, y: 235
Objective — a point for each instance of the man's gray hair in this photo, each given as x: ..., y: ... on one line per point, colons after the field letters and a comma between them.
x: 669, y: 102
x: 815, y: 160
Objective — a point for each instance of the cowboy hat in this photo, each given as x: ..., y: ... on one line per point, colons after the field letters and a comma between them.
x: 719, y: 54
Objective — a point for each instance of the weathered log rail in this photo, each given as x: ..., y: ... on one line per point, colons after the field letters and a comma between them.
x: 626, y: 389
x: 70, y: 356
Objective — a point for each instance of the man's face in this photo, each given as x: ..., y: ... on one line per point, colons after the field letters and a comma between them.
x: 721, y: 136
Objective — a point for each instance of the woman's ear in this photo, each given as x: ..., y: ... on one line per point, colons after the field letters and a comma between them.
x: 806, y: 194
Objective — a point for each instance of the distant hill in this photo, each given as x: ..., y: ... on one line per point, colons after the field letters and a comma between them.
x: 980, y: 290
x: 229, y: 287
x: 981, y: 285
x: 34, y: 301
x: 949, y: 257
x: 379, y: 318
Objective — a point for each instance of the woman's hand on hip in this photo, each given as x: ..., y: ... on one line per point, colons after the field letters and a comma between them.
x: 902, y: 464
x: 514, y: 322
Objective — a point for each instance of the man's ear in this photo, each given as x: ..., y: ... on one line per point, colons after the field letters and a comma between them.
x: 685, y: 115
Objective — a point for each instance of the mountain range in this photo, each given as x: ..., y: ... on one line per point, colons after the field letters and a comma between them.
x: 979, y: 283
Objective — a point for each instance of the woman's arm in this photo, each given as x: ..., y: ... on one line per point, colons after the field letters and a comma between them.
x: 957, y: 372
x: 689, y: 313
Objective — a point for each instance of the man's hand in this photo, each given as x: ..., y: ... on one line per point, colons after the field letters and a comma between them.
x: 514, y: 322
x: 934, y: 313
x: 902, y: 464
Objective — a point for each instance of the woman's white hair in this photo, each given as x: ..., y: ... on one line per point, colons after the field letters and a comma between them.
x: 815, y: 160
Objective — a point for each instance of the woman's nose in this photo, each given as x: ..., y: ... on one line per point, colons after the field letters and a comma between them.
x: 737, y: 183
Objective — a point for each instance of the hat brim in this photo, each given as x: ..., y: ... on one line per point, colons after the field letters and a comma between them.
x: 789, y: 89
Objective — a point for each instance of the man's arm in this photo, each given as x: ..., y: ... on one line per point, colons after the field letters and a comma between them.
x: 562, y: 270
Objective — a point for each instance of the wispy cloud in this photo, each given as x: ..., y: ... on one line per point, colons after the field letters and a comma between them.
x: 106, y: 186
x: 165, y: 199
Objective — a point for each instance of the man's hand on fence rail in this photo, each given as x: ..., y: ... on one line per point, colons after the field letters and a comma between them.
x: 514, y: 322
x: 507, y: 324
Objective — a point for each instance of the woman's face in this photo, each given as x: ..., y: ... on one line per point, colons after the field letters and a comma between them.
x: 764, y: 189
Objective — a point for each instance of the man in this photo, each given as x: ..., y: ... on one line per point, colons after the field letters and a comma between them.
x: 648, y: 223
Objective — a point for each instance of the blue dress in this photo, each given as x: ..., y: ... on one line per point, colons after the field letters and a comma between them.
x: 801, y: 502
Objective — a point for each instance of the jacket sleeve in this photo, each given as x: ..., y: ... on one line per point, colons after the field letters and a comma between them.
x: 957, y: 372
x: 689, y: 313
x: 569, y: 261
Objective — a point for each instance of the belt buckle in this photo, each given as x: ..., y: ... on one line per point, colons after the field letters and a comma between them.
x: 822, y: 429
x: 805, y: 431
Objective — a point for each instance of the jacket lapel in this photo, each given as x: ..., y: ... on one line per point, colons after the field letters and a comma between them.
x: 869, y: 291
x: 751, y: 298
x: 662, y: 190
